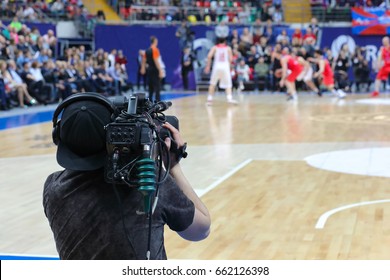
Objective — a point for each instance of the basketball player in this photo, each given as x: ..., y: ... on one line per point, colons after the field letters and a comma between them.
x: 326, y: 73
x: 307, y: 75
x: 383, y: 64
x: 222, y: 55
x: 288, y: 79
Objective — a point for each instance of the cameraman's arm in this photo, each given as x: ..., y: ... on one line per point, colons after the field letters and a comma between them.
x: 200, y: 227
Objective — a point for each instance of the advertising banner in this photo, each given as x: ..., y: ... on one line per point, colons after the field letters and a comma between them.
x: 335, y: 37
x: 370, y: 21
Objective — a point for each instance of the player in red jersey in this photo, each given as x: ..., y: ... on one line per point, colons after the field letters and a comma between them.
x: 383, y: 64
x: 326, y: 73
x: 289, y: 63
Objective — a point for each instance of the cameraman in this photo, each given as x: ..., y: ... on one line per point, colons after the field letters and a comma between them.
x: 92, y: 219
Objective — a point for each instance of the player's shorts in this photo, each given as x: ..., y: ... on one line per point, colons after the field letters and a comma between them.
x: 306, y: 76
x: 383, y: 73
x: 294, y: 75
x: 328, y: 80
x: 221, y: 75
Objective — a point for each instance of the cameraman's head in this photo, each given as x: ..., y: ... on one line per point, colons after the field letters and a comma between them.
x: 80, y: 133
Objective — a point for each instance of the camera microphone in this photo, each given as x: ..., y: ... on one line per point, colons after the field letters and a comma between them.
x: 162, y: 106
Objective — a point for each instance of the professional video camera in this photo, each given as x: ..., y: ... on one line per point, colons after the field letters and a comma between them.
x: 134, y: 140
x: 136, y: 147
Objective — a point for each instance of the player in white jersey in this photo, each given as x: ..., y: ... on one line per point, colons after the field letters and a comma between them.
x: 307, y: 75
x: 222, y: 55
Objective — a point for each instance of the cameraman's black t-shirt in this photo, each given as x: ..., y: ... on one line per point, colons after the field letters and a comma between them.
x: 85, y: 217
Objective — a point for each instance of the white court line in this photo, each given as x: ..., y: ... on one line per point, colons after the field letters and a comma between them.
x: 324, y: 217
x: 202, y: 192
x: 380, y: 101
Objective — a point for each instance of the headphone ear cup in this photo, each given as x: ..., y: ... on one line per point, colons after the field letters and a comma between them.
x: 56, y: 133
x: 91, y: 96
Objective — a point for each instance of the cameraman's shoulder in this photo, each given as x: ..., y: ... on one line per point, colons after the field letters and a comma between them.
x: 69, y: 176
x: 50, y: 187
x: 53, y: 176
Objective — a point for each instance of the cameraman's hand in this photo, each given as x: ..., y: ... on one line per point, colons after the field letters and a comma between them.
x: 177, y: 138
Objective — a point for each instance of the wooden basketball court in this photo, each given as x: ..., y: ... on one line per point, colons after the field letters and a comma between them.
x: 306, y: 180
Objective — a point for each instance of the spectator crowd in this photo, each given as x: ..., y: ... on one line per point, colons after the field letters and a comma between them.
x: 41, y: 10
x: 200, y: 11
x: 31, y: 73
x: 233, y: 11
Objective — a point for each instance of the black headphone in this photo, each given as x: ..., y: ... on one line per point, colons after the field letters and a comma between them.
x: 85, y: 96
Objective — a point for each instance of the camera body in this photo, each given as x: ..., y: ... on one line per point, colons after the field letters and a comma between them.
x: 136, y: 129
